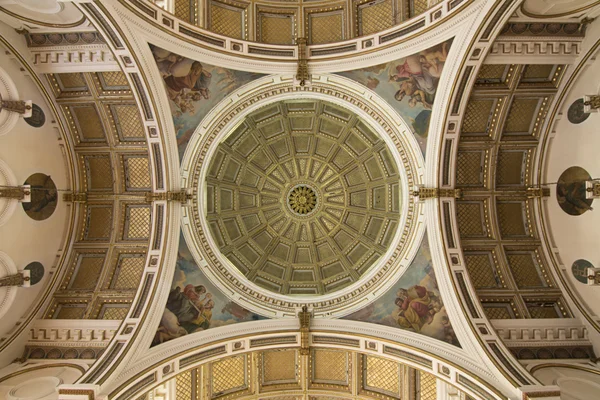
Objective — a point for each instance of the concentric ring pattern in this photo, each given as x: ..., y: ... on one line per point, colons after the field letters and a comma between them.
x: 354, y: 194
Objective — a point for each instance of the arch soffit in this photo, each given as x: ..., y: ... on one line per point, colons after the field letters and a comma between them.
x: 159, y: 272
x: 446, y: 29
x: 493, y: 19
x: 444, y: 361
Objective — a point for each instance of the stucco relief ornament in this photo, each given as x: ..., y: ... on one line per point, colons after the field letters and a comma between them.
x: 302, y: 197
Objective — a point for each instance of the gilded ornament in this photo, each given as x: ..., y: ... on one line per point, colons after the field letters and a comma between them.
x: 14, y: 192
x: 304, y: 317
x: 13, y: 280
x: 302, y: 200
x: 592, y: 102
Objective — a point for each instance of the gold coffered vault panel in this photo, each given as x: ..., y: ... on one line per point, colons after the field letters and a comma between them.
x: 303, y: 197
x: 228, y: 18
x: 502, y: 249
x: 279, y: 22
x: 113, y: 234
x: 328, y: 374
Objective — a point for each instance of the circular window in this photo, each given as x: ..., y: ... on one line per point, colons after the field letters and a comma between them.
x: 44, y: 197
x: 303, y: 199
x: 579, y: 270
x: 36, y: 272
x: 575, y: 114
x: 38, y: 118
x: 571, y: 191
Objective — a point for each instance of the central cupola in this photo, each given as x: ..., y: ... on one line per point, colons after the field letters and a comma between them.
x: 303, y: 197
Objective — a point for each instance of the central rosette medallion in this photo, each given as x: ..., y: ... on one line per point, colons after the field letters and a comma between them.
x: 303, y: 197
x: 302, y: 200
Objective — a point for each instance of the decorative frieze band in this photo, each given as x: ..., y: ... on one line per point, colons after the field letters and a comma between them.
x: 87, y: 58
x: 534, y: 50
x: 542, y: 332
x: 64, y: 331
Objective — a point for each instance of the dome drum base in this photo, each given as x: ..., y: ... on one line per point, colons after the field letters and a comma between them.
x: 257, y: 229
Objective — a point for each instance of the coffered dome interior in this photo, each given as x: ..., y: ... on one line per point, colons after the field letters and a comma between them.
x: 303, y: 197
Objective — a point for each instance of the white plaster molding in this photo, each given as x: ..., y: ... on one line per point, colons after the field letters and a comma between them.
x: 542, y: 332
x: 534, y: 50
x: 8, y: 91
x: 47, y: 332
x: 7, y: 206
x: 18, y: 15
x: 137, y: 333
x: 548, y: 9
x: 82, y: 58
x: 41, y: 388
x: 557, y: 111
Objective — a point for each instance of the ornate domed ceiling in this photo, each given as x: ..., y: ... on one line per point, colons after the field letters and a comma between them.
x: 303, y: 197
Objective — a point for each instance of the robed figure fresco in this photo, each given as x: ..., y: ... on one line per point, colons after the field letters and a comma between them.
x: 194, y: 304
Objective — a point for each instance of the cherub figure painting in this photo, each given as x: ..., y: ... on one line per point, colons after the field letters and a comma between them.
x: 414, y: 303
x: 408, y: 84
x: 194, y: 87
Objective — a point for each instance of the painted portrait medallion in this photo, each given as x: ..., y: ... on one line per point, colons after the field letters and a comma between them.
x: 570, y: 191
x: 575, y: 114
x: 44, y: 197
x: 38, y: 118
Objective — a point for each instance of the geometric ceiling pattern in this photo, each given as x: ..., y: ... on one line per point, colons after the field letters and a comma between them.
x: 280, y: 374
x: 292, y: 152
x: 266, y: 22
x: 495, y: 216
